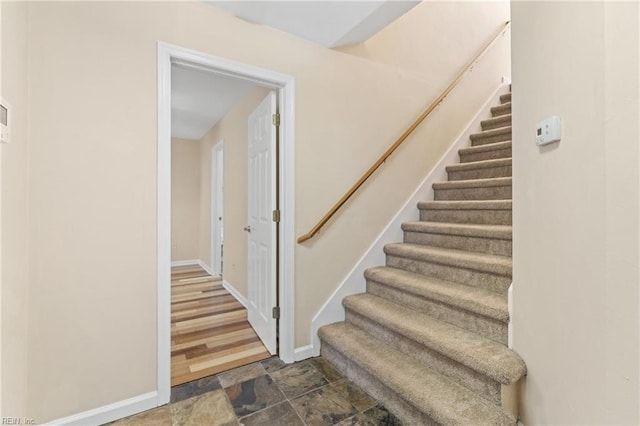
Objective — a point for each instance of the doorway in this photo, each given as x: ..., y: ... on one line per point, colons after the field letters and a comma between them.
x: 169, y: 55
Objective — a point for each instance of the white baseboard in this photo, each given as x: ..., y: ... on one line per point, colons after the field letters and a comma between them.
x: 303, y: 352
x: 111, y: 412
x: 193, y: 262
x: 332, y: 311
x: 235, y: 293
x: 206, y: 267
x: 188, y: 262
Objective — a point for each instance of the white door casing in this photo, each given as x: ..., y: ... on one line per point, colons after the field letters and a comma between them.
x: 217, y: 206
x: 261, y: 229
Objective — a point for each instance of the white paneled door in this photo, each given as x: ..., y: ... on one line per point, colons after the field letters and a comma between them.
x: 261, y: 229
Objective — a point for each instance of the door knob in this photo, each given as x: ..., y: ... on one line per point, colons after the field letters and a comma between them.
x: 247, y: 228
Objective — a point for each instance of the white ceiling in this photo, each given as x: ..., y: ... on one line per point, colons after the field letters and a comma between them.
x: 200, y: 99
x: 328, y: 23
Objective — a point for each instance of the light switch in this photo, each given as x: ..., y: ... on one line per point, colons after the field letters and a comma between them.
x: 548, y: 130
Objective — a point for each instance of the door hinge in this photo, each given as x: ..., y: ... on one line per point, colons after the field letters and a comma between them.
x: 276, y: 216
x: 275, y: 119
x: 275, y: 312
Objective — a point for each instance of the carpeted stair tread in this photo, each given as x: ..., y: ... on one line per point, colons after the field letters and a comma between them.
x: 481, y: 188
x: 480, y: 354
x: 443, y: 400
x: 500, y: 265
x: 488, y: 211
x: 486, y: 151
x: 505, y: 98
x: 471, y: 299
x: 466, y: 205
x: 499, y: 135
x: 503, y: 232
x: 495, y: 122
x: 497, y: 146
x: 473, y: 183
x: 503, y: 109
x: 485, y: 164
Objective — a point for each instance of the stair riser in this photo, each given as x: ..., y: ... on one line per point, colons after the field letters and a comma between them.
x: 479, y: 193
x: 484, y: 326
x: 485, y: 173
x: 476, y: 382
x: 406, y: 412
x: 485, y: 140
x: 500, y: 110
x: 502, y: 121
x: 482, y: 217
x: 488, y: 281
x: 505, y: 98
x: 478, y: 244
x: 485, y: 155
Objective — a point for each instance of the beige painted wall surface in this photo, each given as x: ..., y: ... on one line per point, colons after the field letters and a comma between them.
x: 576, y: 211
x: 185, y: 200
x: 93, y: 190
x: 233, y: 130
x: 14, y: 289
x: 437, y: 37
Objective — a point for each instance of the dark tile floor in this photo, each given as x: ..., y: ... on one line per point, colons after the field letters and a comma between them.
x: 269, y: 393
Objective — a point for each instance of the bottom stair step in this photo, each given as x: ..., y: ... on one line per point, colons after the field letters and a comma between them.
x: 411, y: 391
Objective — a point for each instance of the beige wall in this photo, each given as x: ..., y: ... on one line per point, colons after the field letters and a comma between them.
x: 233, y: 130
x: 576, y: 256
x: 15, y: 214
x: 185, y: 200
x: 438, y: 37
x: 92, y: 189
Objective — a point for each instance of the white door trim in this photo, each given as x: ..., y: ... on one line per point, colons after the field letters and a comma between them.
x: 285, y: 85
x: 217, y: 198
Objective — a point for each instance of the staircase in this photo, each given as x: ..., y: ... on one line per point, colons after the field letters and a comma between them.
x: 428, y: 338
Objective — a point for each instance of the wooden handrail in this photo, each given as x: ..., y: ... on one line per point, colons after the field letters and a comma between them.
x: 401, y: 139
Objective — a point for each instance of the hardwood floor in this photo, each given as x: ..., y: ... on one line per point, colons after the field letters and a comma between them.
x: 209, y: 328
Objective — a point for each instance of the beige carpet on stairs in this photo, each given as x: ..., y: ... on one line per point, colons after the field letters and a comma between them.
x: 428, y: 338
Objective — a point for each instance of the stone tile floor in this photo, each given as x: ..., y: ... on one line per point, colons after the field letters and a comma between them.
x: 269, y: 393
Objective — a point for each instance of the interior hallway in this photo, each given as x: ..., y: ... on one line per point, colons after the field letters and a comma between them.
x: 209, y: 328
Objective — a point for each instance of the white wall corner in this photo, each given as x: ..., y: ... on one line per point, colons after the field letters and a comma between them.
x: 235, y: 293
x: 354, y: 283
x: 304, y: 352
x: 206, y: 267
x: 111, y: 412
